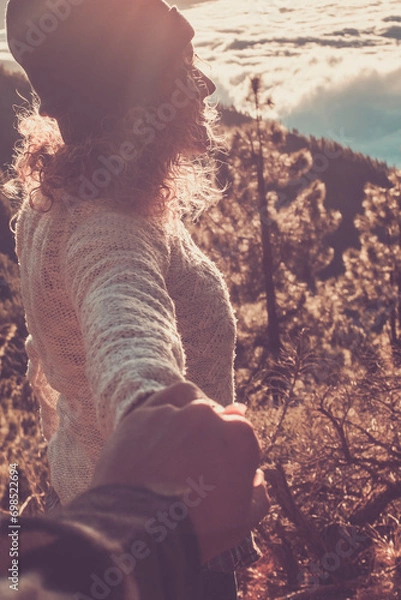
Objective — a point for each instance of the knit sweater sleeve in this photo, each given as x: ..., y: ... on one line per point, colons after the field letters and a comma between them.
x: 115, y: 267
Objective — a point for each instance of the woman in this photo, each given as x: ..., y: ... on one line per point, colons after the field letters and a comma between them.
x: 120, y: 303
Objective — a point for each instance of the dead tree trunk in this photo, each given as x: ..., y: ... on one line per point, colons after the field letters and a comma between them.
x: 273, y: 328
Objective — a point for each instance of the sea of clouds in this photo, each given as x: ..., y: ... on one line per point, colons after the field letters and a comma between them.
x: 332, y: 68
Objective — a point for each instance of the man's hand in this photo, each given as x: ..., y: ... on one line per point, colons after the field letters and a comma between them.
x: 182, y: 443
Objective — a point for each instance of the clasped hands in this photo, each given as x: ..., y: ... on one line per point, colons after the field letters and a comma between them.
x: 179, y: 436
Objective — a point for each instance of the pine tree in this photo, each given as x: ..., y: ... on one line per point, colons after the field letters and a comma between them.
x: 371, y: 284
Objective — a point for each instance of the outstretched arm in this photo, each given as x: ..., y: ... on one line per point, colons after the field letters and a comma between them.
x: 115, y: 269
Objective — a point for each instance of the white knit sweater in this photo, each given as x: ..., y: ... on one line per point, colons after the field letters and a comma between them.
x: 117, y: 307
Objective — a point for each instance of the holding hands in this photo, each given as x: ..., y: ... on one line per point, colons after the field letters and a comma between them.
x: 181, y: 443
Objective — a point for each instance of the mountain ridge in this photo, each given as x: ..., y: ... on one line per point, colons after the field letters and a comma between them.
x: 344, y: 172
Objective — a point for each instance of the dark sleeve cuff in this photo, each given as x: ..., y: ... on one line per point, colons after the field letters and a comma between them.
x: 121, y: 542
x: 160, y: 548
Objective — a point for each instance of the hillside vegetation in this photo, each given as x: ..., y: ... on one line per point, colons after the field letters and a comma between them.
x: 326, y: 399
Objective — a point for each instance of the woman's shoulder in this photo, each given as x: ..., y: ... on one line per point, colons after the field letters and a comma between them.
x: 107, y: 229
x: 100, y: 225
x: 81, y: 217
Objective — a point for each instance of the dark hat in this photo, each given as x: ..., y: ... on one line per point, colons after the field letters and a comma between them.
x: 94, y: 53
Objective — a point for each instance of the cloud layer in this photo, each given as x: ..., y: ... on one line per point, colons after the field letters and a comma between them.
x: 330, y: 68
x: 364, y: 113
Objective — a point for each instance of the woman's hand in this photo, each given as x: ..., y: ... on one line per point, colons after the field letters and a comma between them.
x: 181, y: 443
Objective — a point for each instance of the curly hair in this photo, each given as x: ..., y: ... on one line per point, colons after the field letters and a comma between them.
x: 156, y: 158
